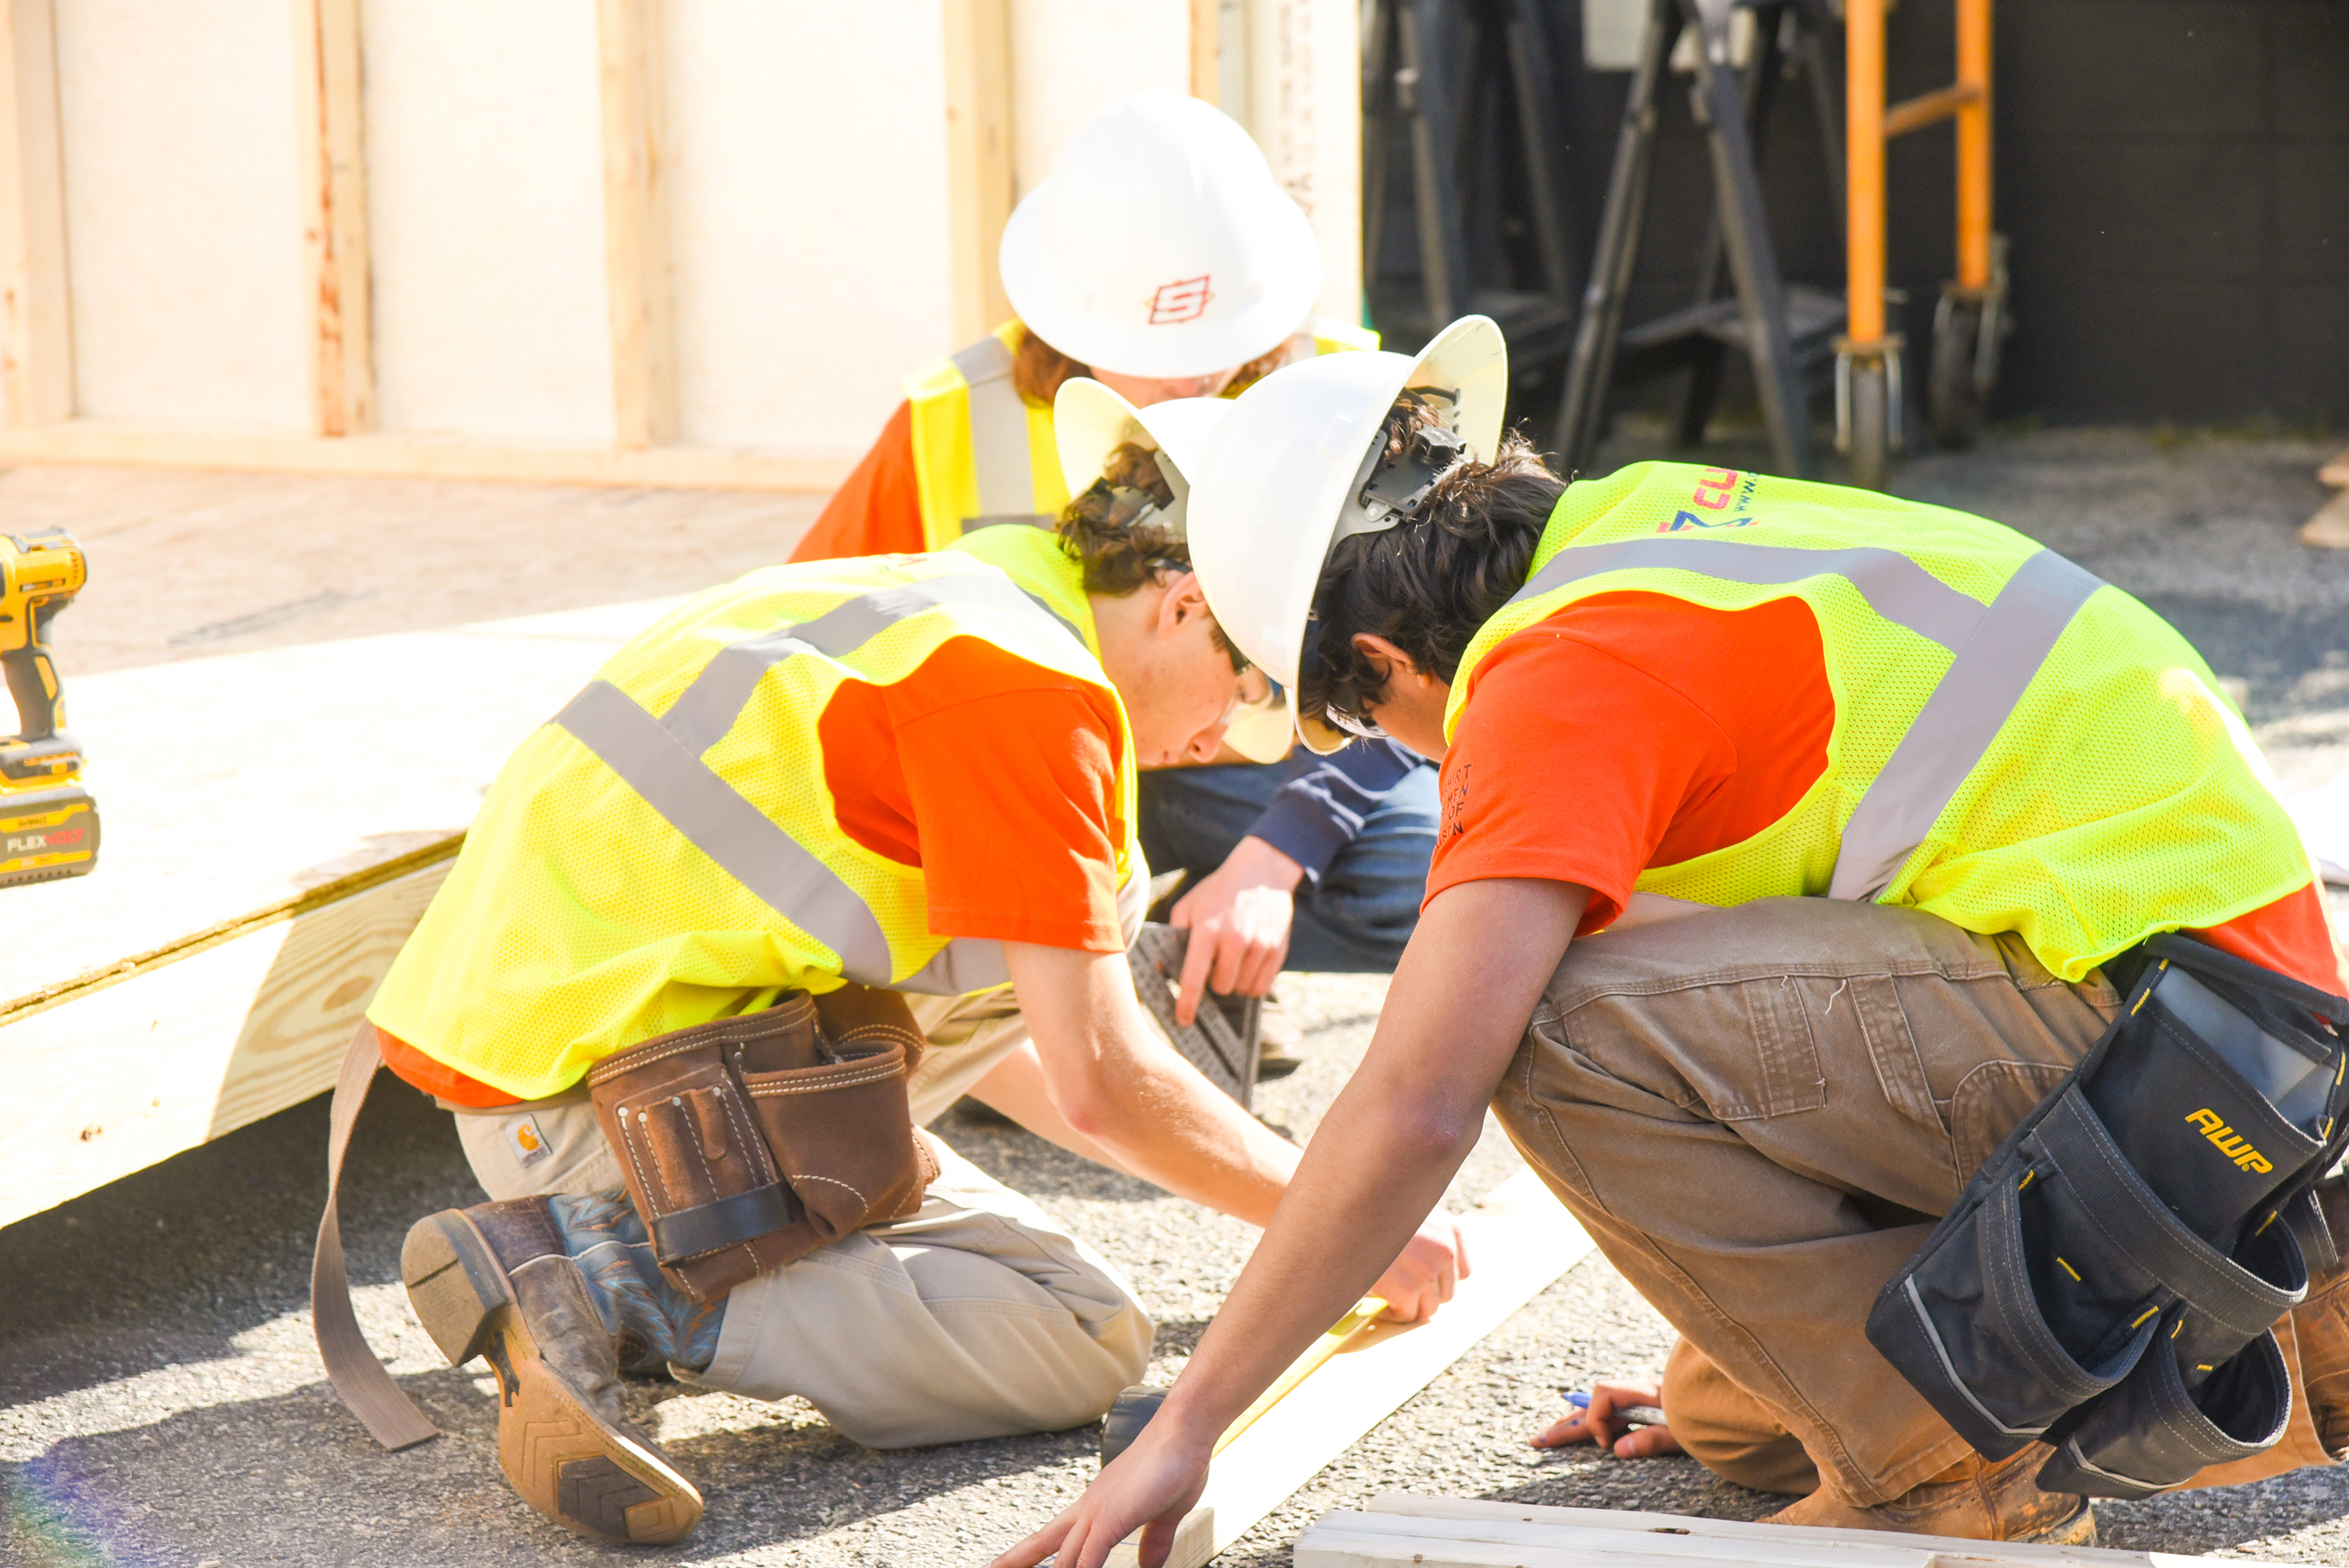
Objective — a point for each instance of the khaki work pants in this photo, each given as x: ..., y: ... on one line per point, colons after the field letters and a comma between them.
x: 978, y: 1317
x: 1757, y: 1113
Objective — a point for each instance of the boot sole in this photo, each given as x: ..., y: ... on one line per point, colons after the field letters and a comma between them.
x: 454, y: 1282
x: 585, y: 1473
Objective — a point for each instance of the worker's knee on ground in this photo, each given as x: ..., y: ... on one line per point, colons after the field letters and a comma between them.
x: 1728, y: 1430
x: 1018, y: 1372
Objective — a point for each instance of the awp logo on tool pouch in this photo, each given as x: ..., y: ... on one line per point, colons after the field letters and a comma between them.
x: 1185, y: 299
x: 2230, y: 1144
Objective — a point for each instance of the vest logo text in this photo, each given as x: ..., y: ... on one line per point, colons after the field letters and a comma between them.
x: 2230, y: 1144
x: 1717, y: 491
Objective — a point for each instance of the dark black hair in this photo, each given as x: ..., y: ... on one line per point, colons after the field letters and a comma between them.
x: 1428, y: 583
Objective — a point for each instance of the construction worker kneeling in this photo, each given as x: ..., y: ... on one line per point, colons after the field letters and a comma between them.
x: 1878, y: 932
x: 814, y: 855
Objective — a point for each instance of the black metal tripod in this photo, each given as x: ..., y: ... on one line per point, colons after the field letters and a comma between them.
x: 1456, y: 73
x: 1787, y: 332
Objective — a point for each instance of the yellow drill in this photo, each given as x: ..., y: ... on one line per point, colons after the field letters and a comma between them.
x: 48, y: 823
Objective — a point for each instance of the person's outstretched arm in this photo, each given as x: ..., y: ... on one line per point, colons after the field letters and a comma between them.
x: 1124, y: 1089
x: 1478, y: 964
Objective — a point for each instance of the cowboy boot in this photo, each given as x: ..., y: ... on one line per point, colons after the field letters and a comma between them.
x: 1974, y: 1499
x: 497, y: 1280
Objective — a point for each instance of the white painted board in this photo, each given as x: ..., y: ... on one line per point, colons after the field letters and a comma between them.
x: 485, y: 205
x: 183, y: 231
x: 806, y: 186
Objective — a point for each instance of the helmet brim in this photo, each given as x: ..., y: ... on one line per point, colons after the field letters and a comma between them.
x: 1089, y: 421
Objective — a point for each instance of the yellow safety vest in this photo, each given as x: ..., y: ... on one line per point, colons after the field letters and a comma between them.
x: 2017, y: 745
x: 664, y: 852
x: 985, y: 455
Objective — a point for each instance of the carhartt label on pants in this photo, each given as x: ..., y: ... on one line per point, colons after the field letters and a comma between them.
x: 524, y: 1139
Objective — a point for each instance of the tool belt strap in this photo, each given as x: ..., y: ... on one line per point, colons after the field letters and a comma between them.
x: 351, y: 1365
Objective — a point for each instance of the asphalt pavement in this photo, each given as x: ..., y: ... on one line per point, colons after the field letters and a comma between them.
x: 161, y: 1402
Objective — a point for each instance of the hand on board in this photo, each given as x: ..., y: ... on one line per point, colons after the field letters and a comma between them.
x: 1599, y: 1424
x: 1430, y: 1267
x: 1238, y: 916
x: 1154, y: 1483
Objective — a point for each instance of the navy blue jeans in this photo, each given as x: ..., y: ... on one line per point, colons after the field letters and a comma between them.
x: 1357, y: 915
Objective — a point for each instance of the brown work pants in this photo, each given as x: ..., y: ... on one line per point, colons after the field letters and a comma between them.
x: 1757, y: 1113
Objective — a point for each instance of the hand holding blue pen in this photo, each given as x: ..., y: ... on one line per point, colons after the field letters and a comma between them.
x: 1630, y: 1415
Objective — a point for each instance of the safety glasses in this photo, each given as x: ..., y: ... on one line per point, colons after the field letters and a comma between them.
x: 1253, y: 692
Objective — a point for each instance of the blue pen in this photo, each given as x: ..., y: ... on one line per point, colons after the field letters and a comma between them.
x: 1630, y: 1415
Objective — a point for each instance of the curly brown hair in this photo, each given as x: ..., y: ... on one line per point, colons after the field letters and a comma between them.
x: 1038, y: 368
x: 1429, y: 583
x: 1117, y: 531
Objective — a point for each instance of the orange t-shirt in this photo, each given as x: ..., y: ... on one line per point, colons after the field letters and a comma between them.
x: 996, y: 777
x: 877, y: 509
x: 1678, y: 731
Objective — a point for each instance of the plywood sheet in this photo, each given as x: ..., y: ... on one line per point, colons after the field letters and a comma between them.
x: 128, y: 1074
x: 229, y: 786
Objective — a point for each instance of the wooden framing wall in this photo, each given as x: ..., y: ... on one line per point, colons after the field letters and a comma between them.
x: 44, y: 420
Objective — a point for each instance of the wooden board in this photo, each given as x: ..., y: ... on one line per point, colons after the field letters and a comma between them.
x: 272, y: 825
x: 636, y: 225
x: 978, y: 47
x: 1522, y: 1240
x: 179, y: 1053
x: 1453, y: 1533
x: 331, y: 144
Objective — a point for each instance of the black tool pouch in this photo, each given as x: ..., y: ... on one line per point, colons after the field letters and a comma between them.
x: 2108, y: 1280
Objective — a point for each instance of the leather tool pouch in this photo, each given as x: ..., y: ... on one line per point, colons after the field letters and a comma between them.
x: 751, y: 1142
x: 2107, y: 1282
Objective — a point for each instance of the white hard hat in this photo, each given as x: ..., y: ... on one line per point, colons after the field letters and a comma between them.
x: 1281, y: 481
x: 1089, y: 422
x: 1160, y: 246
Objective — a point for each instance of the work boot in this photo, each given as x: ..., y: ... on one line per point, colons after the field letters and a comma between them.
x: 495, y: 1281
x: 2321, y: 1325
x: 1974, y: 1500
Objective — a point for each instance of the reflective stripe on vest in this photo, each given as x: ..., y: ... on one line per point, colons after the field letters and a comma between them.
x: 998, y: 435
x: 1947, y: 739
x: 1999, y: 648
x: 660, y: 759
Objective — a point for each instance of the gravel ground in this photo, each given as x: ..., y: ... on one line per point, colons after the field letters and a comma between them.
x: 159, y: 1400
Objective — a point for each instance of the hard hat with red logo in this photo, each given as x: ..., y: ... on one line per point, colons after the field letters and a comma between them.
x: 1294, y: 469
x: 1090, y: 422
x: 1160, y: 246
